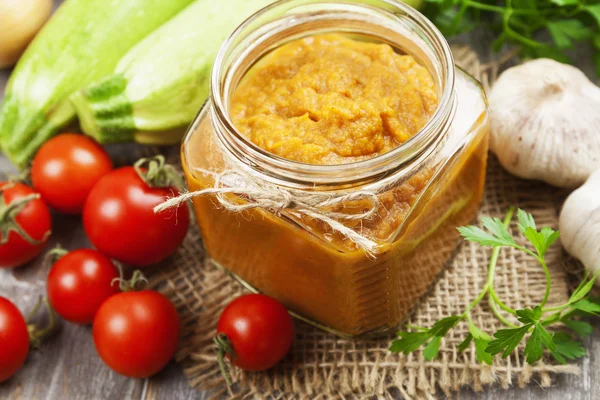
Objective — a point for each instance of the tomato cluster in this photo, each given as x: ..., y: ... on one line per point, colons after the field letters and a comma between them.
x: 136, y: 333
x: 73, y: 174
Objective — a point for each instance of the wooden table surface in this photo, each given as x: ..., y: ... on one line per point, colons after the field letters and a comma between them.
x: 67, y: 367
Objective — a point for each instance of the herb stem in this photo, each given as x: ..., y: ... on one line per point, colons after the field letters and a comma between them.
x: 499, y: 9
x: 499, y: 315
x: 557, y: 308
x: 480, y: 297
x: 493, y: 297
x: 548, y: 281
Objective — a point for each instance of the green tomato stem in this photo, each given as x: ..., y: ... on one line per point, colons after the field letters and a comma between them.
x: 36, y: 335
x: 224, y: 348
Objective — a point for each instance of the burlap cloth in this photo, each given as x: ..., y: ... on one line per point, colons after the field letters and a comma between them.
x: 322, y: 365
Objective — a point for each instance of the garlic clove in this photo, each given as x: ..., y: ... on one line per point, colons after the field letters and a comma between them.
x: 545, y: 121
x: 20, y: 20
x: 579, y: 224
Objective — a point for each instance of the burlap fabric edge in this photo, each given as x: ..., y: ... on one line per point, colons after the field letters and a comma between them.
x: 322, y: 366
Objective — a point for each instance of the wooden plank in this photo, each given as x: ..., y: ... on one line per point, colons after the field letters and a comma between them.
x: 67, y: 366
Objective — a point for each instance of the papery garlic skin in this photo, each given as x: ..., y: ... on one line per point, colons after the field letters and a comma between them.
x: 545, y: 123
x: 579, y: 224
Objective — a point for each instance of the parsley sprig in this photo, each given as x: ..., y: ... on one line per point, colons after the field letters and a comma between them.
x: 524, y: 23
x: 531, y: 323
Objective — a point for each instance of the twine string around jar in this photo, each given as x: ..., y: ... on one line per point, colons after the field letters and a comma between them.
x: 261, y: 194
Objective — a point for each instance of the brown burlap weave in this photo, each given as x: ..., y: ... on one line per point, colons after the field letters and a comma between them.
x: 322, y: 366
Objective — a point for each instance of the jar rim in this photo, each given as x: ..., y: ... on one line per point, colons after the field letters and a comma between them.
x: 283, y: 170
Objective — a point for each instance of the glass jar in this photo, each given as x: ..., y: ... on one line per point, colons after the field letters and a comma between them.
x: 426, y: 187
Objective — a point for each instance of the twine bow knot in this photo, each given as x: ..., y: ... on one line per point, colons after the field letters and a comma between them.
x: 262, y: 194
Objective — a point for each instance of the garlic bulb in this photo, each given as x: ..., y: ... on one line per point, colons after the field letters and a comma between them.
x: 20, y: 20
x: 579, y: 224
x: 545, y: 119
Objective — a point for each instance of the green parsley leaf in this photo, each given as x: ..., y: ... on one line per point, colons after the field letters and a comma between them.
x: 584, y: 288
x: 594, y: 11
x: 507, y: 340
x: 432, y: 349
x: 441, y: 327
x: 564, y: 31
x: 587, y: 306
x: 409, y: 342
x: 567, y: 348
x: 465, y: 343
x: 478, y: 235
x: 529, y: 316
x: 582, y: 328
x: 481, y: 355
x: 525, y: 221
x: 565, y: 2
x: 534, y: 349
x: 541, y: 240
x: 478, y: 333
x: 496, y: 226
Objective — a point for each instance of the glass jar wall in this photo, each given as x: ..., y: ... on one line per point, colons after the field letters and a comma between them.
x: 426, y: 187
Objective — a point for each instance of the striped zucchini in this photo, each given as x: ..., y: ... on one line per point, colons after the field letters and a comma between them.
x: 159, y: 86
x: 82, y: 42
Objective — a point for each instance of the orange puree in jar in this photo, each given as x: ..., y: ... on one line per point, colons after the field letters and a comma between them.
x: 328, y: 99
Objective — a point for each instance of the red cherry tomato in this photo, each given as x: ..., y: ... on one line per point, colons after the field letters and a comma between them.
x: 79, y: 282
x: 32, y: 218
x: 259, y: 330
x: 14, y: 339
x: 136, y: 333
x: 120, y: 221
x: 65, y: 169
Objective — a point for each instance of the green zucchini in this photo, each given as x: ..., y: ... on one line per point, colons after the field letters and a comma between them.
x: 159, y: 86
x: 81, y: 43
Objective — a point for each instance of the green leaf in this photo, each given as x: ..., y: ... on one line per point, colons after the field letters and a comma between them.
x: 507, y: 340
x: 478, y: 333
x: 529, y: 316
x: 566, y: 30
x: 478, y: 235
x: 525, y: 221
x: 567, y: 348
x: 534, y: 349
x: 549, y: 236
x: 465, y: 343
x: 409, y: 342
x: 546, y: 337
x: 563, y: 3
x: 584, y: 288
x: 496, y: 226
x: 594, y: 11
x: 441, y: 327
x: 582, y: 328
x: 587, y: 306
x: 481, y: 354
x: 541, y: 240
x: 432, y: 349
